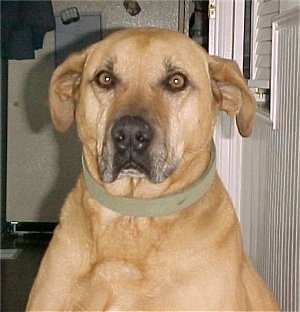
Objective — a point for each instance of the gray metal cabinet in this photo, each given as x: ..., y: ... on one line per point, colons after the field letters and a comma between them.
x: 42, y: 165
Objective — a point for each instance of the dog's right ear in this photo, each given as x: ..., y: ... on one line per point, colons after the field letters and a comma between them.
x: 63, y: 90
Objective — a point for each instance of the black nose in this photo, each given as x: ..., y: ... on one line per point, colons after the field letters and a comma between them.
x: 131, y: 133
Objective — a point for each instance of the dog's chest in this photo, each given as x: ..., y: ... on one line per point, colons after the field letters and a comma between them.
x: 136, y: 286
x: 161, y: 270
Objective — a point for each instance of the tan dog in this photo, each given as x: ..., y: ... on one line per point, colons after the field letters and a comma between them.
x: 149, y: 226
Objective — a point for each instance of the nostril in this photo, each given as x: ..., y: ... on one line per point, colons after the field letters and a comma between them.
x: 142, y: 139
x: 119, y: 136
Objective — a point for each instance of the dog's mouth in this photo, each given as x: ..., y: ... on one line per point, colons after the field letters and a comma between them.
x: 151, y: 166
x: 137, y: 166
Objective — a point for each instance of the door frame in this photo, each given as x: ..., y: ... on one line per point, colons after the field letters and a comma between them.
x: 226, y: 37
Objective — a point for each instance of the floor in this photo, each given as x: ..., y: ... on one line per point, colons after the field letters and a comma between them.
x: 17, y: 275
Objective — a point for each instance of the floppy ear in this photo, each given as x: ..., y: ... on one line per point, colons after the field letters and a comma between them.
x: 63, y: 90
x: 232, y: 93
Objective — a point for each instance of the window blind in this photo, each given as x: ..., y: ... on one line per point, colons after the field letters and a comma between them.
x: 263, y: 12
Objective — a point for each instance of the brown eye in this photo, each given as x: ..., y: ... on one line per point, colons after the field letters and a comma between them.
x: 176, y: 82
x: 105, y: 80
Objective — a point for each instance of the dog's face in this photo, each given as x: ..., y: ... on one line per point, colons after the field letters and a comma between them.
x: 146, y: 102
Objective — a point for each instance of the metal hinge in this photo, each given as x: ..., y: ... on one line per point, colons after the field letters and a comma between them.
x: 261, y: 91
x: 212, y: 9
x: 262, y: 97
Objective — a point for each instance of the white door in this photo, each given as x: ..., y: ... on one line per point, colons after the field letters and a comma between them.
x: 226, y: 33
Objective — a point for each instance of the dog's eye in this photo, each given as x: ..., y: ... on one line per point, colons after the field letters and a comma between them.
x: 176, y: 82
x: 105, y: 80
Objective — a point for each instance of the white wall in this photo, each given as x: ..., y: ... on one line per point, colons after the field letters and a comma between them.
x: 288, y: 4
x: 270, y: 211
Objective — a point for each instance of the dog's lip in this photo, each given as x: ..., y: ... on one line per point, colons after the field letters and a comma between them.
x: 130, y: 172
x: 132, y: 169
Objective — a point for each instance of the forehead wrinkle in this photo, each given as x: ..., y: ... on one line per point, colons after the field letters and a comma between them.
x: 110, y: 63
x: 171, y: 67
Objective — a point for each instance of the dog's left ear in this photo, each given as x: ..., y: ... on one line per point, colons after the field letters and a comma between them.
x: 63, y: 90
x: 232, y: 93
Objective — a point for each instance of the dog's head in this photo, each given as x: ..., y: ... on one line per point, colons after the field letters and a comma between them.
x: 145, y: 102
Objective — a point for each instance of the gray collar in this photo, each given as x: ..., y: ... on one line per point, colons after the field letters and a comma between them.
x: 154, y: 207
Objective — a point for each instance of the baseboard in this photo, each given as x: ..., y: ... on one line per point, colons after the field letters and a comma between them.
x: 30, y: 227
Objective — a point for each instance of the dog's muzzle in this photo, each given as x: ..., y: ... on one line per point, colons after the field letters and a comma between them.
x: 131, y: 137
x: 132, y: 149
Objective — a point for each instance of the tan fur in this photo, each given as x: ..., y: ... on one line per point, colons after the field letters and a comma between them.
x: 190, y: 260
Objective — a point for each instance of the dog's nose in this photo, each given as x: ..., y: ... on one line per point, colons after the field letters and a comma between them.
x: 131, y: 133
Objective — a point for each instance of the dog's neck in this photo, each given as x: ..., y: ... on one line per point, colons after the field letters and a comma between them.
x: 154, y: 207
